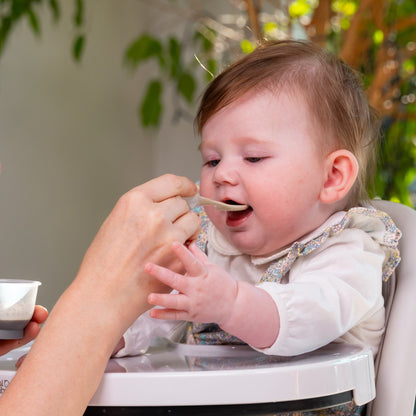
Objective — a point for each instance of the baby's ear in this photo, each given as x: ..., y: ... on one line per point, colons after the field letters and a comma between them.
x: 341, y: 169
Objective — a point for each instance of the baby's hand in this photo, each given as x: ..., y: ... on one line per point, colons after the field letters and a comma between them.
x: 206, y: 293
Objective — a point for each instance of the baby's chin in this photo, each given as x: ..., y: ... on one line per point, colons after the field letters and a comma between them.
x: 261, y: 247
x: 251, y: 248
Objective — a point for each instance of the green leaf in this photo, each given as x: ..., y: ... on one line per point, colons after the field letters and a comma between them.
x: 56, y: 12
x: 142, y: 49
x: 345, y: 24
x: 186, y: 86
x: 269, y: 27
x: 409, y: 67
x: 78, y: 47
x: 410, y: 176
x: 378, y: 37
x: 345, y: 7
x: 34, y: 22
x: 247, y: 46
x: 299, y: 8
x: 5, y: 29
x: 79, y: 13
x: 206, y: 39
x: 18, y: 8
x: 151, y: 106
x: 175, y: 57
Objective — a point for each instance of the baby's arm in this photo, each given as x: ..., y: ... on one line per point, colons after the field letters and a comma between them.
x: 209, y: 294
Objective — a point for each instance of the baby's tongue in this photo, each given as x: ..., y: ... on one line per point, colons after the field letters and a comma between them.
x: 237, y: 215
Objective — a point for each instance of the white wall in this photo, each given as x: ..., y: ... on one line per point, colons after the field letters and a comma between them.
x: 70, y: 140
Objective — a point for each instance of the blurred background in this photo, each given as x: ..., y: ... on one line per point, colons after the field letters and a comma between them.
x: 71, y: 141
x: 98, y: 96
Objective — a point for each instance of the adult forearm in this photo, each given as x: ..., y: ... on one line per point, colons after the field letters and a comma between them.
x: 66, y: 363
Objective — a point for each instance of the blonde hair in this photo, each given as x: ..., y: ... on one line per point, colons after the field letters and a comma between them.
x: 332, y: 90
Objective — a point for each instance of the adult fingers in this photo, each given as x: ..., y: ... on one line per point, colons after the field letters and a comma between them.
x: 186, y: 227
x: 31, y: 331
x: 6, y: 346
x: 173, y: 208
x: 19, y: 362
x: 167, y: 186
x: 40, y: 314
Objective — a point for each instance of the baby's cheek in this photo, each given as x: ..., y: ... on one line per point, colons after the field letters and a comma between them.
x: 276, y: 216
x: 214, y: 215
x: 270, y: 207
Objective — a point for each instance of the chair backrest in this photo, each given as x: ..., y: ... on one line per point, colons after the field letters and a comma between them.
x: 396, y: 375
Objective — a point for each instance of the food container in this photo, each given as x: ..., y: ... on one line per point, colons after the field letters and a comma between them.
x: 17, y: 303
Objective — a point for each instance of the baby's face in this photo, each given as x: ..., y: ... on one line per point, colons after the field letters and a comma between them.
x: 261, y: 150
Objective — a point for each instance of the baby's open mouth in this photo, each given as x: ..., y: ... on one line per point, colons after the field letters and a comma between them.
x: 237, y: 215
x: 231, y: 202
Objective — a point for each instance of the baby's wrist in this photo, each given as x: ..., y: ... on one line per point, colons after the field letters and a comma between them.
x: 234, y: 317
x: 254, y: 317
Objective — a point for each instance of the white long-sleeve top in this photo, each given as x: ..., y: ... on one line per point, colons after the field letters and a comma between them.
x: 332, y: 294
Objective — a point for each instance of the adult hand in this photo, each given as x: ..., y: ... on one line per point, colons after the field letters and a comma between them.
x: 31, y: 331
x: 140, y: 229
x: 65, y: 365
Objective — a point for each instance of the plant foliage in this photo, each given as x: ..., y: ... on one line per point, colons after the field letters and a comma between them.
x: 12, y: 12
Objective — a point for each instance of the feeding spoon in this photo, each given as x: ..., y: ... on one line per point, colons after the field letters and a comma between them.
x: 222, y: 206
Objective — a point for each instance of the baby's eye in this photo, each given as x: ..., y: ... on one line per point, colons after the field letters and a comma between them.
x: 254, y: 159
x: 212, y: 163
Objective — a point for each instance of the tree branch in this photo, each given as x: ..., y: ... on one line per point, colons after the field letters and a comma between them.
x: 357, y: 40
x: 319, y: 25
x: 253, y: 17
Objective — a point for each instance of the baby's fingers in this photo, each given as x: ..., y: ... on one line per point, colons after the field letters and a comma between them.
x: 193, y: 263
x: 166, y: 276
x: 169, y: 314
x: 168, y: 301
x: 198, y: 253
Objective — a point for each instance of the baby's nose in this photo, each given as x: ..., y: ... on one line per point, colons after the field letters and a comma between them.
x: 226, y: 173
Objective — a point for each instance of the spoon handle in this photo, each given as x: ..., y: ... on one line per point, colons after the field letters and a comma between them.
x: 221, y: 206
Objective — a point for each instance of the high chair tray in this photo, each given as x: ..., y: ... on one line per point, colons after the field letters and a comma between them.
x: 172, y: 376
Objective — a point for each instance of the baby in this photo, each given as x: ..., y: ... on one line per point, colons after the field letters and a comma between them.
x: 286, y: 130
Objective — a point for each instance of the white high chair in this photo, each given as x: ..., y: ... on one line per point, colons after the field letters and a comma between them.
x: 396, y: 362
